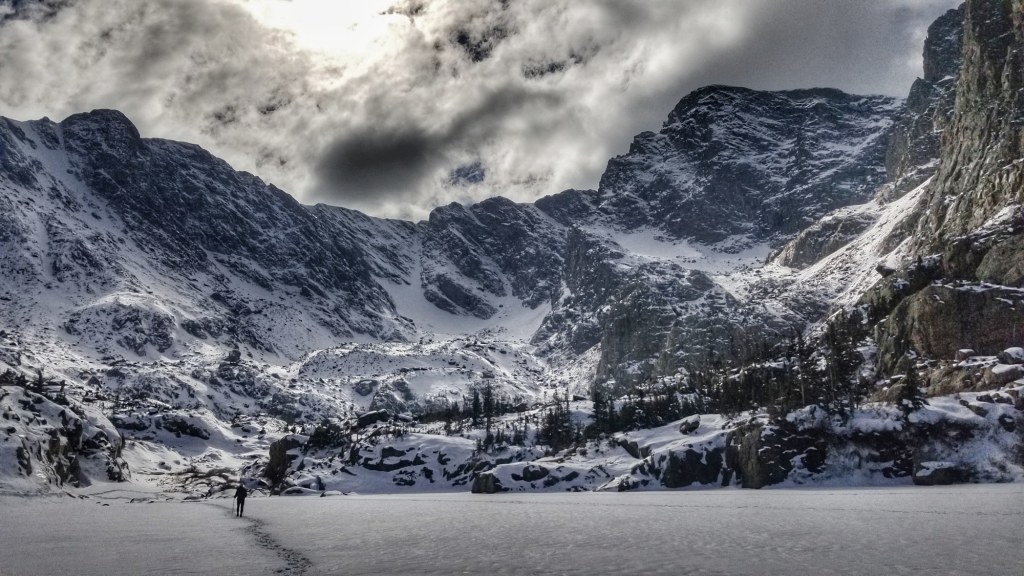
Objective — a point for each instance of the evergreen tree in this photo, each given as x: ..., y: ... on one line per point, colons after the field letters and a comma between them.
x: 556, y: 429
x: 600, y: 412
x: 39, y: 385
x: 477, y: 410
x: 909, y: 397
x: 488, y: 405
x: 842, y: 360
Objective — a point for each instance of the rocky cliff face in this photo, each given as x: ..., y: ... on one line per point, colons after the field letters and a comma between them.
x: 911, y: 155
x: 971, y: 233
x: 980, y: 180
x: 733, y: 162
x: 913, y: 151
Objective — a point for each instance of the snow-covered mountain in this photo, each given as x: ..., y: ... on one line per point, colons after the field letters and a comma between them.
x: 205, y: 314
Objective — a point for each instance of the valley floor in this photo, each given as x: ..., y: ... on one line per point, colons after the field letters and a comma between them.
x: 963, y: 530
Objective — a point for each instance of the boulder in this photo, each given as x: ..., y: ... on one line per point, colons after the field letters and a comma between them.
x: 634, y: 449
x: 691, y: 466
x: 937, y: 473
x: 365, y: 387
x: 689, y: 425
x: 1008, y: 423
x: 1013, y: 355
x: 533, y: 472
x: 1002, y: 374
x: 964, y: 353
x: 281, y: 459
x: 487, y: 483
x: 368, y: 418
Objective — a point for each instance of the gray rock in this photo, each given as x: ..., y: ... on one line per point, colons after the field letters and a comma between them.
x: 280, y: 460
x: 1013, y: 355
x: 1002, y: 374
x: 965, y: 353
x: 365, y: 386
x: 933, y: 473
x: 486, y: 483
x: 533, y: 472
x: 689, y: 425
x: 373, y: 417
x: 689, y: 467
x: 940, y: 320
x: 823, y: 238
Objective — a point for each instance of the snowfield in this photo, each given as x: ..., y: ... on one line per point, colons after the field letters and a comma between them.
x: 962, y: 530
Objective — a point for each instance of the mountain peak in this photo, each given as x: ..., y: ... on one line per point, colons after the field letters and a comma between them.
x: 111, y: 127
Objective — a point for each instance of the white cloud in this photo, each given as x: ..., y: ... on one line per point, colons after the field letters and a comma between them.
x: 374, y: 104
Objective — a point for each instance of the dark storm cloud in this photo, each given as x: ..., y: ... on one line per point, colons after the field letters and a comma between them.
x: 376, y: 161
x: 537, y: 93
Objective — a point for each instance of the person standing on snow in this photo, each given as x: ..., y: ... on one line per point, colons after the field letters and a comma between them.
x: 240, y: 494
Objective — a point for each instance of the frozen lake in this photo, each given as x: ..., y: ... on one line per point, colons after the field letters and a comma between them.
x: 976, y: 529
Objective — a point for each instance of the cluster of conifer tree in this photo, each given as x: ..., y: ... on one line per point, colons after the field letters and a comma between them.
x: 39, y: 385
x: 779, y: 376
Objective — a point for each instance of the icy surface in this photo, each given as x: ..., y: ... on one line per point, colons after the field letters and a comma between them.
x: 951, y: 530
x: 90, y: 537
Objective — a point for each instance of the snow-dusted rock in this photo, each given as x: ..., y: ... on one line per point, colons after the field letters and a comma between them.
x: 1013, y: 355
x: 1000, y: 374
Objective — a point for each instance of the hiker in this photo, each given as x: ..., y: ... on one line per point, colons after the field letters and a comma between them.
x: 240, y: 494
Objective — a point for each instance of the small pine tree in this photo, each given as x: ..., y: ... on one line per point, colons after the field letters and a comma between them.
x: 600, y: 414
x: 39, y: 385
x: 488, y: 405
x: 477, y: 409
x: 909, y: 397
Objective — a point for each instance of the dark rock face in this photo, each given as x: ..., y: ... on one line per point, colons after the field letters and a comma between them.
x: 280, y: 459
x: 939, y: 320
x: 979, y: 173
x: 823, y: 238
x: 693, y: 467
x: 486, y: 483
x: 489, y: 244
x: 971, y: 233
x: 936, y: 474
x: 762, y: 456
x: 48, y: 441
x: 730, y: 161
x: 664, y: 317
x: 915, y: 141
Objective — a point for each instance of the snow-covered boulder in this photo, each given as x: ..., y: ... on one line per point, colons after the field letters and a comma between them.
x: 689, y: 424
x: 1001, y: 374
x: 1013, y: 355
x: 936, y: 473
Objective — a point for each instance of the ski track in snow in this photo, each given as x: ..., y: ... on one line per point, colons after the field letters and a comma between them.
x: 295, y: 563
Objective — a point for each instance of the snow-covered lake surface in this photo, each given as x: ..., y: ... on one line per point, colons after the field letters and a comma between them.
x: 904, y: 530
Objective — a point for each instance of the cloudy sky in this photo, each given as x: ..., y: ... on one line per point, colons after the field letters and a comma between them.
x: 396, y: 106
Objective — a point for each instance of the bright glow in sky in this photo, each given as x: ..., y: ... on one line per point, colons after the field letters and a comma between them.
x: 346, y: 31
